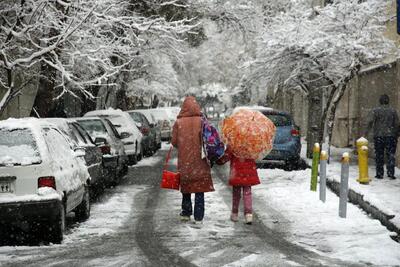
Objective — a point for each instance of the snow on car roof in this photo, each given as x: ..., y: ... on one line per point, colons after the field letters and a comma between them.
x: 61, y: 123
x: 109, y: 111
x: 117, y: 115
x: 261, y: 109
x: 24, y: 123
x: 253, y: 107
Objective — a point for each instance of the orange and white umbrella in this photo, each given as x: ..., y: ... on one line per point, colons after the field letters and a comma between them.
x: 248, y: 133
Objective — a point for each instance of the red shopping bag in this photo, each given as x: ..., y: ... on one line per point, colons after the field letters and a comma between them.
x: 170, y: 180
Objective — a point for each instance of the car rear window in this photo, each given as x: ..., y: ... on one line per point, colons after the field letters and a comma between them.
x: 93, y: 127
x: 279, y: 120
x: 18, y: 147
x: 136, y: 117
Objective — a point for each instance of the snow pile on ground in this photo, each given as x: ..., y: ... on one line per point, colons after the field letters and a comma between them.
x: 106, y: 217
x: 317, y: 226
x: 151, y: 161
x: 383, y: 194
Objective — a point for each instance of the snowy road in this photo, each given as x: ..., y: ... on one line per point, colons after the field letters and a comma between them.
x: 137, y: 224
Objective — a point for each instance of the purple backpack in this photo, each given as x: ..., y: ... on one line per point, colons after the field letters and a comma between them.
x: 213, y: 147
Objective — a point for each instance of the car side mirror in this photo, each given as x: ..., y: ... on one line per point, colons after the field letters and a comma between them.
x: 139, y: 125
x: 100, y: 141
x: 79, y: 152
x: 125, y: 135
x: 152, y: 125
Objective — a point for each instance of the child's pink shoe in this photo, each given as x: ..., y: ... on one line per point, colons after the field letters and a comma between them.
x: 234, y: 217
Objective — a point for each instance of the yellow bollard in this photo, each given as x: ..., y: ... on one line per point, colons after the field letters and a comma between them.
x: 362, y: 149
x: 314, y: 167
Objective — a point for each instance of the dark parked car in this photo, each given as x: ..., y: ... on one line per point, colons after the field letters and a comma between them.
x: 149, y: 136
x: 155, y: 127
x: 93, y: 155
x: 115, y: 161
x: 287, y: 143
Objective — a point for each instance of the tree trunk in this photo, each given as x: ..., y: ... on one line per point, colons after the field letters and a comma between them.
x: 314, y: 132
x: 335, y: 101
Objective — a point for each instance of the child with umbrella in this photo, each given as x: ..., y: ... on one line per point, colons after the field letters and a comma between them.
x: 248, y: 135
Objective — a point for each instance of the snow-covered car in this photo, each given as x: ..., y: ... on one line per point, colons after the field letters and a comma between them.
x: 164, y: 121
x: 93, y: 155
x: 105, y: 135
x: 154, y: 125
x: 41, y: 178
x: 127, y: 129
x: 149, y: 136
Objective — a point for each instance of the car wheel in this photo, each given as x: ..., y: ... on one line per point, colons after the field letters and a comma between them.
x: 291, y: 164
x: 82, y: 212
x: 140, y: 156
x: 133, y: 159
x: 56, y: 230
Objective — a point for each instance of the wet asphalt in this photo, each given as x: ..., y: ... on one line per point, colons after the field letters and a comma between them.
x: 153, y: 235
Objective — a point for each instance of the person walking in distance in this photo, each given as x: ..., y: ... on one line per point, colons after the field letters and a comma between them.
x: 384, y: 123
x: 195, y: 172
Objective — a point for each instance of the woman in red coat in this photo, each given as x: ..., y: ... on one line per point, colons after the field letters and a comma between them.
x: 243, y: 175
x: 195, y: 173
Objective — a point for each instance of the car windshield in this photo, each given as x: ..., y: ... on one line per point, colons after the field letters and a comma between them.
x: 18, y: 147
x: 279, y: 120
x: 95, y: 128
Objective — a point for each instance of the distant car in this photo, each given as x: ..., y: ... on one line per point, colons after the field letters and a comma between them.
x: 172, y: 113
x: 93, y: 155
x: 287, y: 142
x: 165, y: 123
x: 104, y: 134
x: 155, y: 127
x: 41, y: 178
x: 127, y: 129
x: 148, y: 141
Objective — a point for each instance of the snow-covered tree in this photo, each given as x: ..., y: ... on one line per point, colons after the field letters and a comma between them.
x: 310, y: 49
x: 84, y: 42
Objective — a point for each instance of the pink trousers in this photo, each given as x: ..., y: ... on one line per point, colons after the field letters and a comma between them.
x: 247, y: 201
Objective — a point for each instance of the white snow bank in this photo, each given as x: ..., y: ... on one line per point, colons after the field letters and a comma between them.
x: 107, y: 217
x: 317, y: 226
x: 383, y: 194
x: 151, y: 161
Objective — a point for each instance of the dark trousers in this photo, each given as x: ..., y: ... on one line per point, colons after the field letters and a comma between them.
x: 198, y: 205
x: 385, y: 144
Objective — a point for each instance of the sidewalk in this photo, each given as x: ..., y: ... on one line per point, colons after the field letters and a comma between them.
x: 380, y: 198
x: 284, y: 201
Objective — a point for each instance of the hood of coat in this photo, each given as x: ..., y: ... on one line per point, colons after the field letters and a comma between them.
x: 190, y: 108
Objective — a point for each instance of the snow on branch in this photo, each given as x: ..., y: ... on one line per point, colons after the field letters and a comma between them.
x: 304, y: 44
x: 83, y: 41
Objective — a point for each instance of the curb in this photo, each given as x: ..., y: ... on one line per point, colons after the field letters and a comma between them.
x: 358, y: 199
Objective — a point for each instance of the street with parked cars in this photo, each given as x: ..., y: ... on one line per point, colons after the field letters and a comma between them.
x: 50, y: 167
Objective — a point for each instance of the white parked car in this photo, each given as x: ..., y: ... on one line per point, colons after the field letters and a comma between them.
x: 172, y: 113
x: 41, y: 178
x: 164, y: 122
x: 127, y: 129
